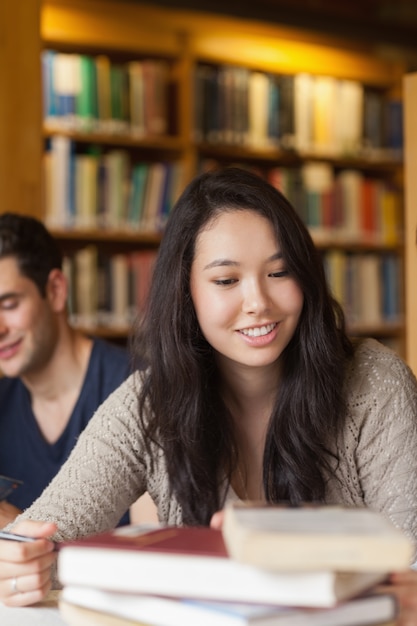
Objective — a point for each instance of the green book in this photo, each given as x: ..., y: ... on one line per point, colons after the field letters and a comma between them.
x: 86, y: 99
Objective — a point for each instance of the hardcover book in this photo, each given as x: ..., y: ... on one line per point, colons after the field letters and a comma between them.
x: 310, y: 537
x: 193, y: 562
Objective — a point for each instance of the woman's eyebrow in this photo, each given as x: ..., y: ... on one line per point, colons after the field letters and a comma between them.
x: 229, y: 263
x: 221, y: 263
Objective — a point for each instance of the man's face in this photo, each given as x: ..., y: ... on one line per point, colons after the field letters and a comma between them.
x: 27, y: 324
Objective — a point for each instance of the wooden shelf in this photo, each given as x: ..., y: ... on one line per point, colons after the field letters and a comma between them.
x: 95, y: 235
x: 331, y: 242
x: 275, y: 155
x: 128, y: 31
x: 168, y: 143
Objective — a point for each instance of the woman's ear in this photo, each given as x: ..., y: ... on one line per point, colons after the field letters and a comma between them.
x: 57, y: 290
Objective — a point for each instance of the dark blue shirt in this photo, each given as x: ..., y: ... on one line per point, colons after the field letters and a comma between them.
x: 24, y: 453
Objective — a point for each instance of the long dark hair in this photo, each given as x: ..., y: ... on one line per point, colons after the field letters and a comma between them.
x: 180, y: 389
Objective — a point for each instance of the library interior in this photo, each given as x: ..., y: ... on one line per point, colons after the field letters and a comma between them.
x: 130, y: 100
x: 109, y: 108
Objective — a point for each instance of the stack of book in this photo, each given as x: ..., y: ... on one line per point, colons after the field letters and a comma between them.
x: 269, y: 566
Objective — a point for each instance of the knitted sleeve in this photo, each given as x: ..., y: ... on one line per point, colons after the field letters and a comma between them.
x: 378, y: 448
x: 105, y: 473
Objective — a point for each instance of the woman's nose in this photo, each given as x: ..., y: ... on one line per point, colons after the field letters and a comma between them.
x: 255, y: 298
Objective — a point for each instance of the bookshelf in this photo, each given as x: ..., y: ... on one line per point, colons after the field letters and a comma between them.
x: 186, y: 41
x: 410, y: 103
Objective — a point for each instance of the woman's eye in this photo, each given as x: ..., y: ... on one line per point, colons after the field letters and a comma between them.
x: 279, y: 274
x: 225, y: 281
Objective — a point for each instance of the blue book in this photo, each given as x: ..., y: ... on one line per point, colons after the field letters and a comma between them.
x: 391, y: 288
x: 48, y: 86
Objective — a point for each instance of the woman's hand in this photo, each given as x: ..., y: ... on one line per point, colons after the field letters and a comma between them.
x: 25, y: 568
x: 217, y: 520
x: 404, y: 586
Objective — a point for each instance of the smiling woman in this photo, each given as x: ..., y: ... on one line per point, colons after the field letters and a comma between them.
x: 252, y: 390
x: 243, y: 296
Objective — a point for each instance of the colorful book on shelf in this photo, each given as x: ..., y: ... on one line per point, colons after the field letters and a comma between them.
x: 370, y: 289
x: 394, y: 125
x: 102, y: 65
x: 48, y: 87
x: 350, y: 184
x: 86, y: 286
x: 303, y: 111
x: 136, y: 97
x: 85, y: 183
x: 59, y: 177
x: 349, y: 117
x: 241, y: 122
x: 119, y: 280
x: 139, y: 175
x: 86, y: 98
x: 274, y: 109
x: 314, y: 537
x: 392, y: 288
x: 155, y: 91
x: 258, y: 95
x: 373, y: 119
x: 193, y: 562
x: 286, y: 111
x: 67, y: 83
x: 116, y: 198
x: 153, y: 197
x: 390, y: 215
x: 119, y: 97
x: 140, y: 609
x: 141, y: 264
x: 325, y: 111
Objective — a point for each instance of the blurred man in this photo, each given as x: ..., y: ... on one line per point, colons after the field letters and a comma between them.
x: 54, y: 376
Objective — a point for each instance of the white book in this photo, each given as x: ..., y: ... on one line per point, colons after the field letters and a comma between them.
x: 258, y: 95
x: 184, y: 612
x: 59, y: 186
x: 349, y: 119
x: 303, y: 111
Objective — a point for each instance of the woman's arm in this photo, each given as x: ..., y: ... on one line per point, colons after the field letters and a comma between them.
x: 104, y: 475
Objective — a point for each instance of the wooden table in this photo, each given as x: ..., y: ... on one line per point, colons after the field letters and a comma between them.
x: 45, y: 613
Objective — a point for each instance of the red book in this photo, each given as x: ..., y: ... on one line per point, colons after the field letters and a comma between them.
x: 193, y: 562
x: 193, y: 540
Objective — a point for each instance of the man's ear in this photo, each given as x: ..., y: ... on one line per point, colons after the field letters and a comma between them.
x: 57, y: 290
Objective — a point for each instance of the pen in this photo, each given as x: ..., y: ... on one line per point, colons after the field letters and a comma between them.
x: 24, y: 538
x: 12, y: 537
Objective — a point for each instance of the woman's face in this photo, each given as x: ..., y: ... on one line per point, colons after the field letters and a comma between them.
x: 247, y: 305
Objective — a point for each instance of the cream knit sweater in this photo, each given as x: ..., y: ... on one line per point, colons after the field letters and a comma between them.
x: 109, y: 468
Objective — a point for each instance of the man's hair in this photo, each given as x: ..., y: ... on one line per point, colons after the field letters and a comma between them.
x: 28, y: 241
